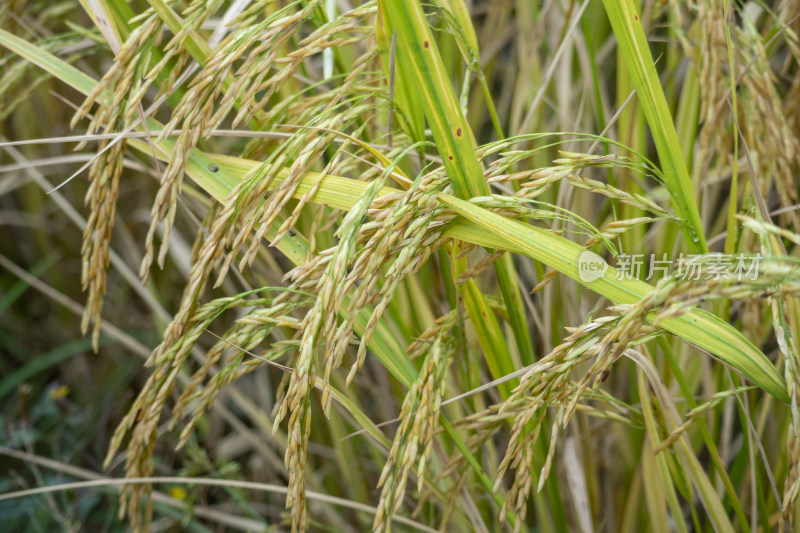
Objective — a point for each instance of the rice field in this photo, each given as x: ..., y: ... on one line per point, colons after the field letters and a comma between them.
x: 459, y: 265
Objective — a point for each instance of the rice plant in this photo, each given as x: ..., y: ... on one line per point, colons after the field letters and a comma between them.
x: 450, y: 265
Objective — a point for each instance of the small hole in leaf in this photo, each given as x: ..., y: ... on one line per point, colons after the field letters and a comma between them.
x: 458, y: 132
x: 426, y: 44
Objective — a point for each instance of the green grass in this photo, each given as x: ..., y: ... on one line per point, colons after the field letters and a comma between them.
x: 351, y: 252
